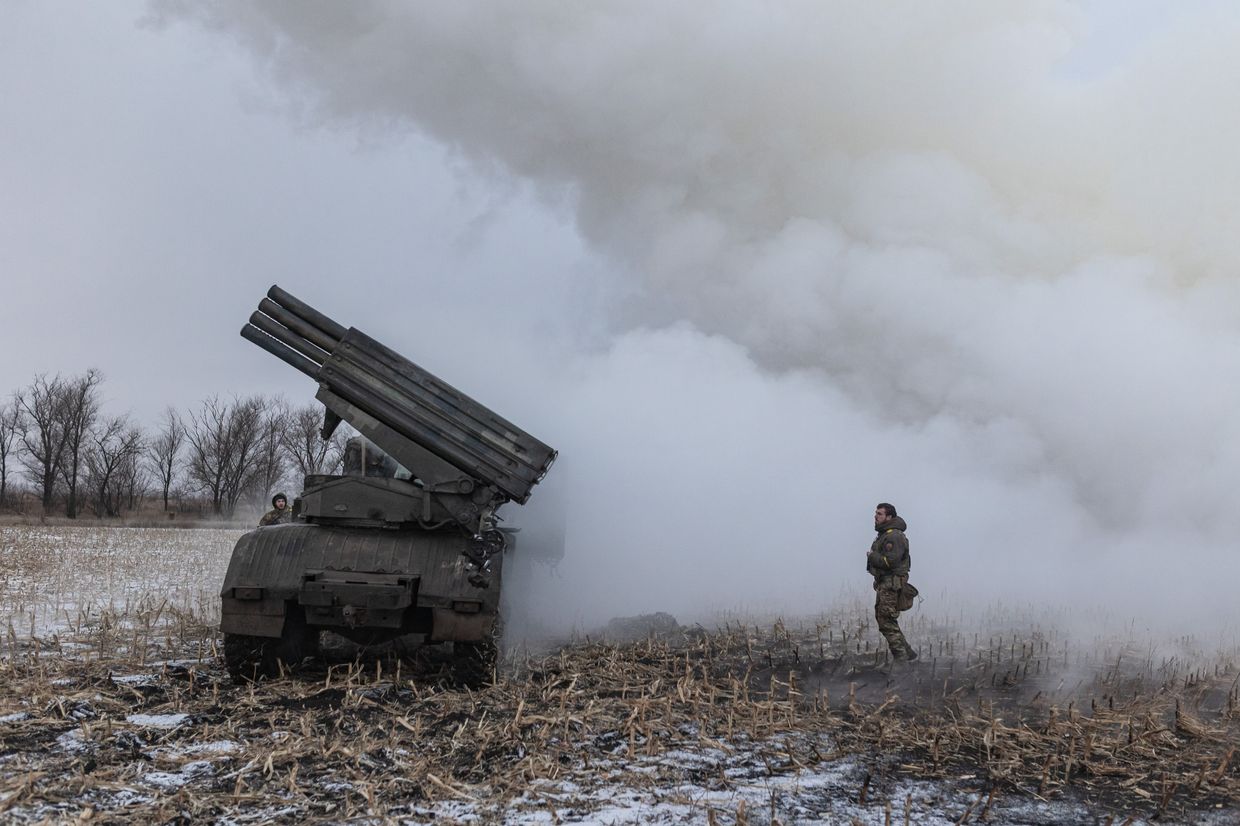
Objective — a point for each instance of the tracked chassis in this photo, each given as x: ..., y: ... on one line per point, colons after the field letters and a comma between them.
x: 405, y: 543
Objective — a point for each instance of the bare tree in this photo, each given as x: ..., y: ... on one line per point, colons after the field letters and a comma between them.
x: 209, y: 449
x: 163, y: 453
x: 79, y: 408
x: 43, y: 436
x: 247, y: 427
x: 133, y: 481
x: 223, y: 440
x: 12, y: 423
x: 115, y: 447
x: 270, y: 461
x: 308, y: 451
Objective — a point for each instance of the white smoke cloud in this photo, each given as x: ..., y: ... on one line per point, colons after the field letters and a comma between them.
x: 875, y: 251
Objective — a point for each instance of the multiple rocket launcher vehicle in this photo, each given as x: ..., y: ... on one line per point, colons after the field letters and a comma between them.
x: 387, y: 548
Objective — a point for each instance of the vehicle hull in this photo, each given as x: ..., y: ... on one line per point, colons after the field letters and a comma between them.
x: 361, y: 582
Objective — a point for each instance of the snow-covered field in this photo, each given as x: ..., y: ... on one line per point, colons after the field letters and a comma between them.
x: 58, y: 579
x: 115, y: 707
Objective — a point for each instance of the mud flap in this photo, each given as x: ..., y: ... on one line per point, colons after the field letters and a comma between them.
x: 254, y: 618
x: 449, y: 626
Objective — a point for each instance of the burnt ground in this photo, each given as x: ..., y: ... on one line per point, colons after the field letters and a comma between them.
x: 737, y: 724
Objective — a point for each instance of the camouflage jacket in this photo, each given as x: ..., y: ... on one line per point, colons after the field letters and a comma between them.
x: 275, y: 517
x: 889, y: 555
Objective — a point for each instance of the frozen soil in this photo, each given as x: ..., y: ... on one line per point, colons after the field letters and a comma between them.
x: 115, y: 707
x: 728, y: 726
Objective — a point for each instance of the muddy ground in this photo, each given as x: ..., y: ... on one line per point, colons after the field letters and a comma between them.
x: 115, y: 707
x: 730, y: 725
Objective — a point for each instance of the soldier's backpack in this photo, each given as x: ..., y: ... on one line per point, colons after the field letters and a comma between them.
x: 906, y: 596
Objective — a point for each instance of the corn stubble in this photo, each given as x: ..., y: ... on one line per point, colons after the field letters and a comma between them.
x: 1026, y: 714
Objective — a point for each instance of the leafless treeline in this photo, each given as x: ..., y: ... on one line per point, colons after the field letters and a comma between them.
x: 60, y: 451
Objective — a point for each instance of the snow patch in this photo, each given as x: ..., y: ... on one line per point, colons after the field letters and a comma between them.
x: 168, y: 721
x: 165, y: 780
x: 214, y: 747
x: 73, y: 741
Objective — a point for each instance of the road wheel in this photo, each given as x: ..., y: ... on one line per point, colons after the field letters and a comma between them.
x: 252, y: 658
x: 473, y: 663
x: 249, y: 658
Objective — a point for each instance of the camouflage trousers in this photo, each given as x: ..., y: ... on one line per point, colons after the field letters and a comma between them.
x: 887, y: 613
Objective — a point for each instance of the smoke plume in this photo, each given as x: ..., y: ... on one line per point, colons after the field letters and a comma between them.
x: 964, y: 257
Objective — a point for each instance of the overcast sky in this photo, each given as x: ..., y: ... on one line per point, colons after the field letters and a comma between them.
x: 751, y: 268
x: 152, y: 189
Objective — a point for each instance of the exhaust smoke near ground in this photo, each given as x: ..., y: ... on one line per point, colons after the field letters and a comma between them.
x: 973, y: 259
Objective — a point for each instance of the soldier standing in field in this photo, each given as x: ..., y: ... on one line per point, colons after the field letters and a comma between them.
x: 888, y: 562
x: 279, y: 512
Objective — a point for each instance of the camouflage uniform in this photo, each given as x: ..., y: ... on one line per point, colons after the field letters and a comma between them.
x: 888, y: 562
x: 276, y: 516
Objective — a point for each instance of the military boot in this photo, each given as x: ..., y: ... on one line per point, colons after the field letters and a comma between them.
x: 904, y: 654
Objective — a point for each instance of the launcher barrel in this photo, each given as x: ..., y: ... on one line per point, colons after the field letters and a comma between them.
x: 411, y: 404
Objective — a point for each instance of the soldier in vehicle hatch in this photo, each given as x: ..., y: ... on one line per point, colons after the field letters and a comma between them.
x: 361, y: 458
x: 888, y: 562
x: 279, y: 512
